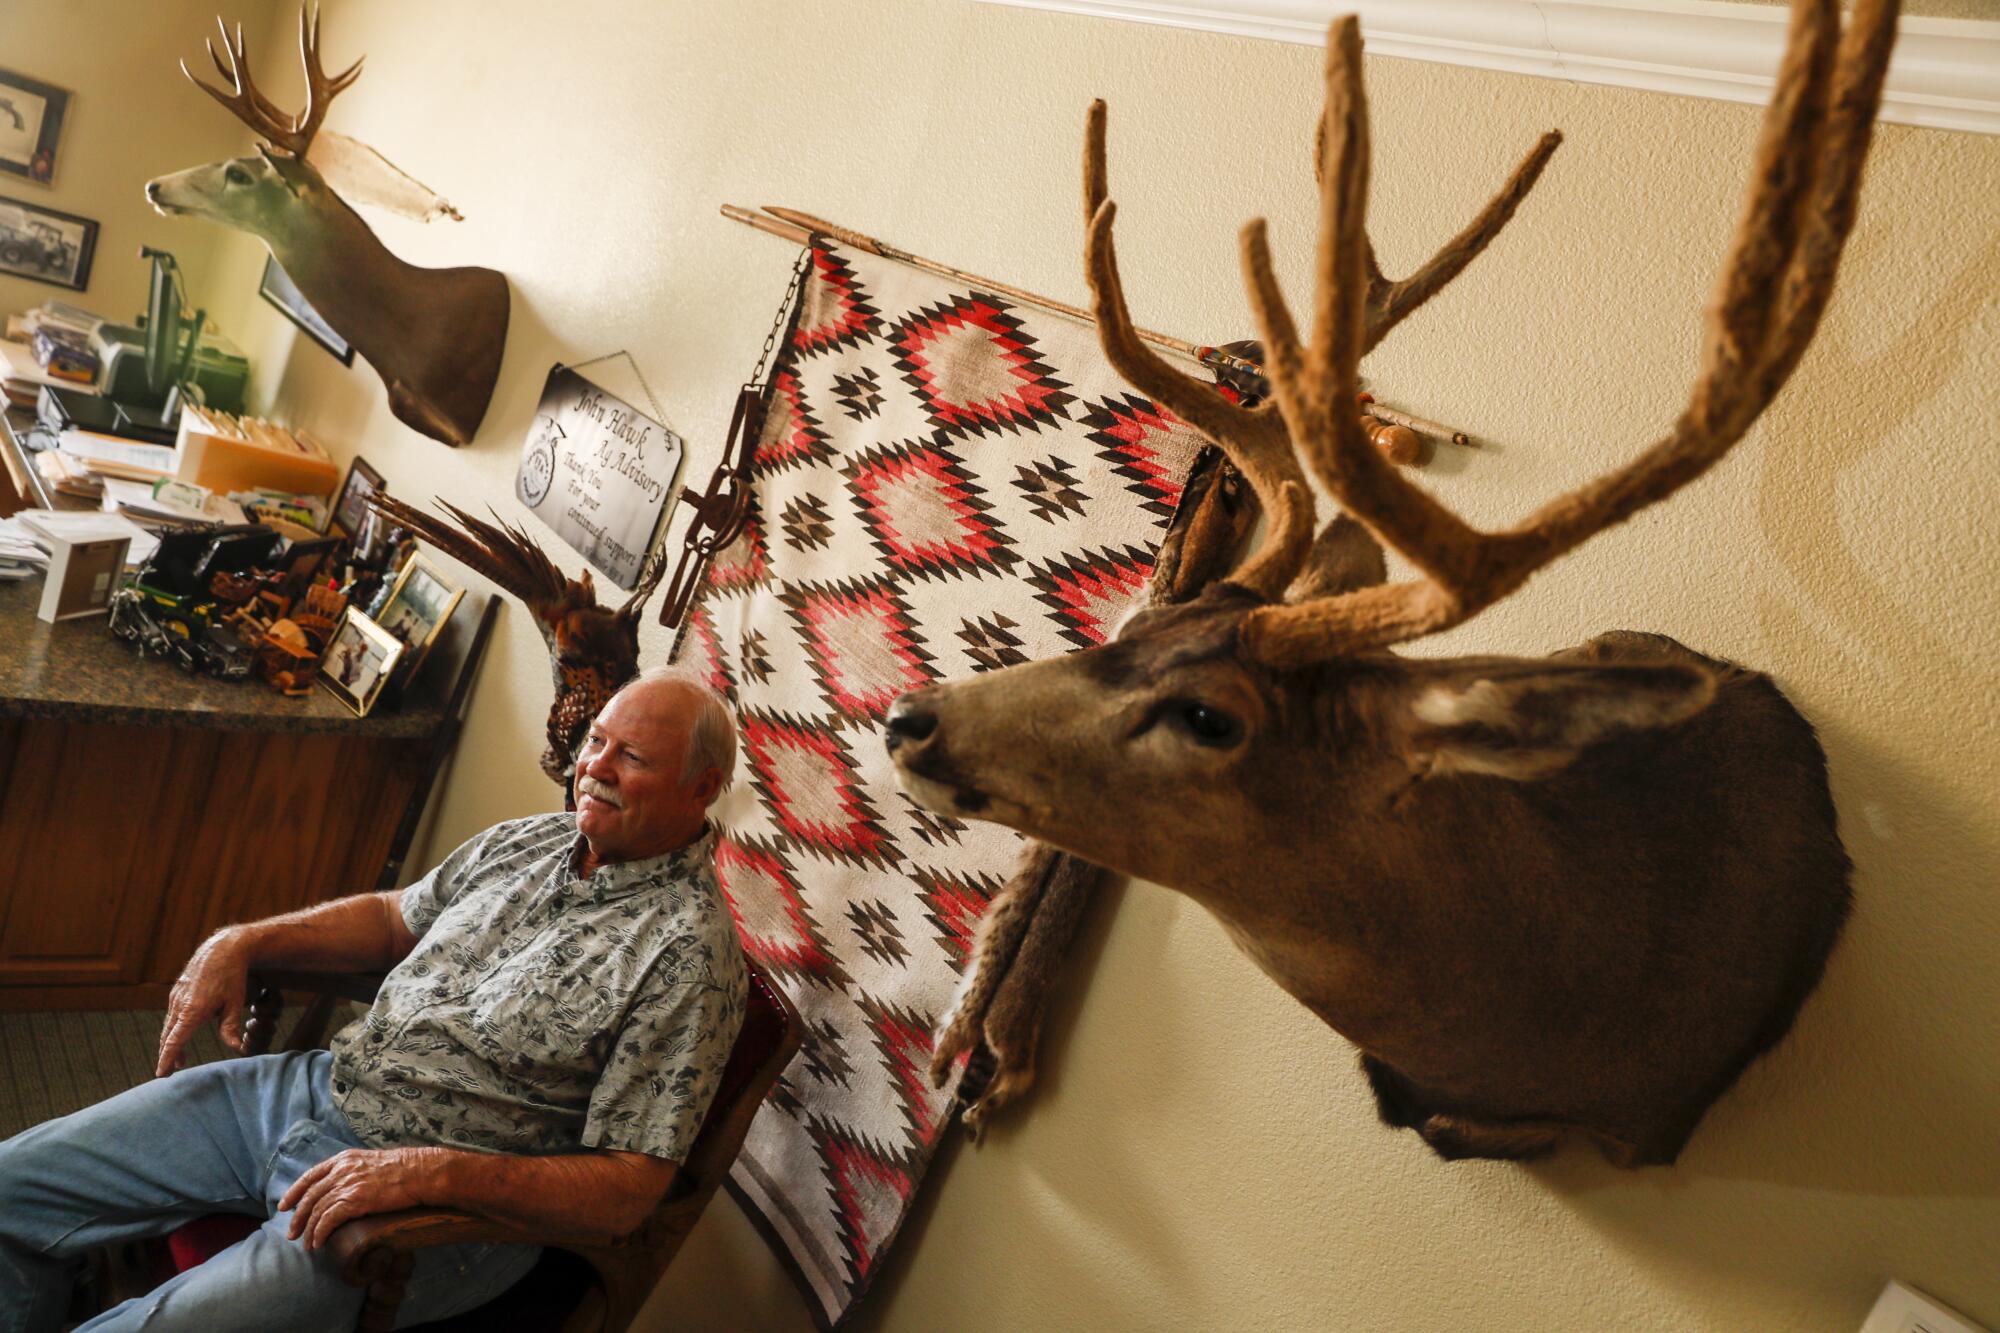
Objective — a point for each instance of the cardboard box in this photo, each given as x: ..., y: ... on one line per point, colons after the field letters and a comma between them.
x: 82, y: 576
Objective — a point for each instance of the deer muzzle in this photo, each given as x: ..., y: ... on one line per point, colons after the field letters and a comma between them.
x: 182, y: 192
x: 914, y: 735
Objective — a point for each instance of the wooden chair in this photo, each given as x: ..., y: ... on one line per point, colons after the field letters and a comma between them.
x: 581, y: 1285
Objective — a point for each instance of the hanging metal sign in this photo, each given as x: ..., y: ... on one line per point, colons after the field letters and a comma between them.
x: 599, y: 472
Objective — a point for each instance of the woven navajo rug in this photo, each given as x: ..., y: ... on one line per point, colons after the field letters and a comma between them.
x: 946, y: 482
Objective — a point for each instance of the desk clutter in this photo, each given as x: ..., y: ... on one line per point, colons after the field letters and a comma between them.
x: 237, y: 600
x: 217, y: 540
x: 64, y: 345
x: 218, y: 468
x: 259, y: 582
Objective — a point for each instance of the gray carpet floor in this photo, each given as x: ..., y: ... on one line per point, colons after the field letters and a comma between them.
x: 55, y: 1063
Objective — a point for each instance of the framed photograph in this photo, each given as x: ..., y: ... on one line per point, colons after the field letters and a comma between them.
x: 278, y: 289
x: 45, y: 245
x: 31, y: 120
x: 350, y: 508
x: 419, y: 604
x: 302, y: 561
x: 360, y: 659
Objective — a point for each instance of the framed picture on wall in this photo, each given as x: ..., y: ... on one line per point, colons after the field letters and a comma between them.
x: 31, y: 120
x: 278, y: 288
x: 45, y: 245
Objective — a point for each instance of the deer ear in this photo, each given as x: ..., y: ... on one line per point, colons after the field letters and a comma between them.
x: 1525, y: 720
x: 1344, y: 557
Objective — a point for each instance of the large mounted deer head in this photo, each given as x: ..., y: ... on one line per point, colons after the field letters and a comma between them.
x: 1579, y: 893
x: 434, y: 335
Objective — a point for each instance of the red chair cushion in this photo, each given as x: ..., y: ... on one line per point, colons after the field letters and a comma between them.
x: 202, y: 1239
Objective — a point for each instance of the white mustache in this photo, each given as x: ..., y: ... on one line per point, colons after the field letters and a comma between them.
x: 589, y: 786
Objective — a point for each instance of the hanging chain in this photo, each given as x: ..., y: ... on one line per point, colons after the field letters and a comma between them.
x: 796, y: 288
x: 763, y: 357
x: 721, y: 511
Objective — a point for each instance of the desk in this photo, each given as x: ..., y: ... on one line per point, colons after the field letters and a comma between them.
x: 142, y: 808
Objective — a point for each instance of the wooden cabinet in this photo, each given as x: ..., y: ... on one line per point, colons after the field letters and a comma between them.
x: 142, y: 808
x: 122, y: 847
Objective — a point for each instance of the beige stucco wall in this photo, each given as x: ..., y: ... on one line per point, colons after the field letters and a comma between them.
x: 131, y: 117
x: 1203, y: 1154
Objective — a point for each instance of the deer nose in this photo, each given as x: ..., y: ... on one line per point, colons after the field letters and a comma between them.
x: 909, y: 720
x: 153, y: 192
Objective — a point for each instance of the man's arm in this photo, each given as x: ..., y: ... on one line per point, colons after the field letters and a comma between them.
x: 601, y: 1194
x: 365, y: 932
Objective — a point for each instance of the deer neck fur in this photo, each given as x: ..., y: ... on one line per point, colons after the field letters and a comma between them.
x: 356, y: 284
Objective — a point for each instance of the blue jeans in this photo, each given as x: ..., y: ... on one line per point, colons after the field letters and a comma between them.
x: 229, y: 1137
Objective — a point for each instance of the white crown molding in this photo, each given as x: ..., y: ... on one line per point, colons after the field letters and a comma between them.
x: 1945, y: 73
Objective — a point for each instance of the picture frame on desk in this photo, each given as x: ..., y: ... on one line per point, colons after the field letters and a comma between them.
x: 360, y: 660
x: 303, y: 560
x: 44, y: 244
x: 417, y: 610
x: 31, y: 121
x: 350, y: 507
x: 277, y: 287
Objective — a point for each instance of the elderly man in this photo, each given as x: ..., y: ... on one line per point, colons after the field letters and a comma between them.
x: 562, y: 996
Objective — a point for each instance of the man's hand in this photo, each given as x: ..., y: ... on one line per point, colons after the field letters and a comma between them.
x: 213, y: 985
x: 358, y: 1183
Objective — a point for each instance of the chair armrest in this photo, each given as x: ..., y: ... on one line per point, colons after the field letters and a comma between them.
x: 363, y: 1245
x: 267, y: 998
x: 362, y: 1248
x: 360, y: 987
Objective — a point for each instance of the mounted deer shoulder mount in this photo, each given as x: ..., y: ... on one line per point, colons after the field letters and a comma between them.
x: 1572, y: 894
x: 434, y: 335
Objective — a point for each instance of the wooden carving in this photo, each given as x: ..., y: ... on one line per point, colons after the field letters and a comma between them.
x: 1576, y: 894
x: 434, y: 335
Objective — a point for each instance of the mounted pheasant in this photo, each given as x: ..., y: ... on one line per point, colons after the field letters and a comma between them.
x: 1577, y: 894
x: 592, y: 650
x: 434, y: 335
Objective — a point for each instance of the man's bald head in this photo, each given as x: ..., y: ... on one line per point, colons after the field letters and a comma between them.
x: 654, y: 759
x: 711, y: 724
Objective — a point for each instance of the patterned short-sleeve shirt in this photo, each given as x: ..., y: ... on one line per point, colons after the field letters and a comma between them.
x: 541, y: 1012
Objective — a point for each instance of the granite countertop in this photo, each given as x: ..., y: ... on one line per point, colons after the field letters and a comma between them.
x: 75, y: 671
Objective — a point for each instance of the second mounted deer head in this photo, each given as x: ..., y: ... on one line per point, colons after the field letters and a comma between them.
x: 434, y: 335
x: 1573, y: 894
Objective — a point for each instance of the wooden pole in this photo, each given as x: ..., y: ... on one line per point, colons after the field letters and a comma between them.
x: 797, y: 226
x: 807, y: 223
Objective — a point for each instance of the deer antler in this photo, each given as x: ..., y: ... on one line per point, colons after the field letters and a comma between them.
x: 1390, y: 301
x: 1774, y: 288
x: 1259, y: 441
x: 1254, y: 438
x: 287, y: 133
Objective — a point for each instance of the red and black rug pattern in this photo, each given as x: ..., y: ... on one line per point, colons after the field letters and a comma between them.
x: 948, y: 482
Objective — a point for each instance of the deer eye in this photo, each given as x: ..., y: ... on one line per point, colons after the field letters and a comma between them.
x: 1209, y: 726
x: 236, y: 175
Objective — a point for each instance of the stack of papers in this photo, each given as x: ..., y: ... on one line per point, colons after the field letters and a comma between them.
x: 19, y: 555
x: 140, y: 500
x: 67, y: 474
x: 40, y: 526
x: 115, y: 456
x: 21, y: 378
